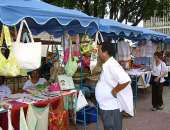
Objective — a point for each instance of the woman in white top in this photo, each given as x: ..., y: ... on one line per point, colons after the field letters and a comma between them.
x: 159, y: 71
x: 4, y: 89
x: 34, y: 81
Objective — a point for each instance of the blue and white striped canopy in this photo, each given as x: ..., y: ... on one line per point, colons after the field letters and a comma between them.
x: 39, y: 13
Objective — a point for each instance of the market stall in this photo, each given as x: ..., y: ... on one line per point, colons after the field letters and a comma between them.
x: 34, y: 17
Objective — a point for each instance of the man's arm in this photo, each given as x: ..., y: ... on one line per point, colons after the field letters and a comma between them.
x: 119, y: 87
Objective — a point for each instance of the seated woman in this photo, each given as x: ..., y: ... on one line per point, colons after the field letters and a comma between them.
x: 34, y: 81
x: 4, y: 89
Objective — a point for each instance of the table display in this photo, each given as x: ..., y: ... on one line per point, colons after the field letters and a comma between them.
x: 23, y: 100
x: 143, y: 75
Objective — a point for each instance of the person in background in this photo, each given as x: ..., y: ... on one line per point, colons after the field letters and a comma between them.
x: 4, y: 89
x: 112, y: 80
x: 45, y: 68
x: 34, y: 81
x: 159, y: 70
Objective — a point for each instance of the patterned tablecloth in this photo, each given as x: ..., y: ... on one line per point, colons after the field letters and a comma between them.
x: 16, y: 105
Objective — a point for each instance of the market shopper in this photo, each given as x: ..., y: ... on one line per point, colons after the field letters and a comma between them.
x: 159, y: 70
x: 112, y: 80
x: 4, y: 89
x: 34, y: 81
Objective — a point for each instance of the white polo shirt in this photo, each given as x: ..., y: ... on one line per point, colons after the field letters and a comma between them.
x: 111, y: 75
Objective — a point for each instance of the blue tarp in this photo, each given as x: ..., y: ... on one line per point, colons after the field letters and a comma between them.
x: 109, y: 27
x: 39, y: 13
x: 167, y: 40
x: 150, y: 34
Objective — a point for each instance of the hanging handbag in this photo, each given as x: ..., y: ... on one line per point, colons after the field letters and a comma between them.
x: 81, y: 101
x: 8, y: 63
x: 28, y: 55
x: 66, y: 48
x: 56, y: 70
x: 72, y: 64
x: 76, y: 47
x: 86, y: 45
x: 94, y: 55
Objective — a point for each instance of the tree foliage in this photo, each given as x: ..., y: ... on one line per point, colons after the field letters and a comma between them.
x: 121, y: 10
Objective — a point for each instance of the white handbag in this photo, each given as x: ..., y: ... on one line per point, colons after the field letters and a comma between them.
x: 28, y: 55
x: 94, y: 55
x: 81, y: 101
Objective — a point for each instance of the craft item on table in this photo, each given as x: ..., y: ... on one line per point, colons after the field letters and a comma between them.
x: 28, y: 55
x: 28, y: 100
x: 40, y: 87
x: 37, y: 117
x: 8, y: 63
x: 65, y: 82
x: 123, y: 51
x: 51, y: 94
x: 54, y: 87
x: 135, y: 72
x: 18, y: 95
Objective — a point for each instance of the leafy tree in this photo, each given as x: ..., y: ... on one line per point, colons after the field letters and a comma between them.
x: 121, y: 10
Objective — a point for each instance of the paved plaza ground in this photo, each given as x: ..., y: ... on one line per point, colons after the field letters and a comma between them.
x: 145, y: 119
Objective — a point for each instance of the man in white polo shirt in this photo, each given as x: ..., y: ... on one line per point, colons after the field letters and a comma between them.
x: 113, y: 79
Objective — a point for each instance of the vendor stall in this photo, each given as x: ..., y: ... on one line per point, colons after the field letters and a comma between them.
x: 33, y: 17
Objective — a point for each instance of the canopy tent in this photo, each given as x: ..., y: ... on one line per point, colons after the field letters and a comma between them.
x: 115, y: 29
x: 167, y: 40
x: 109, y: 26
x: 38, y: 13
x: 150, y: 34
